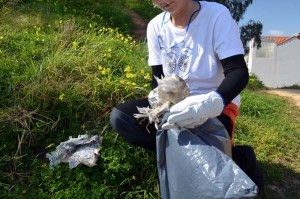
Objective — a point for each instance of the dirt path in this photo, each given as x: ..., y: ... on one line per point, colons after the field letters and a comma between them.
x: 292, y: 94
x: 140, y: 26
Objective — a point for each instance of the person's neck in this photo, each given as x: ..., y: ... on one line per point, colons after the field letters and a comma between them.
x: 182, y: 18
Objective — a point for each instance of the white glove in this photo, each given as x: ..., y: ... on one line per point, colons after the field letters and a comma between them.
x: 153, y: 98
x: 194, y: 111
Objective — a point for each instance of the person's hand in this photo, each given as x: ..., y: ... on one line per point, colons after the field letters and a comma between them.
x: 193, y: 111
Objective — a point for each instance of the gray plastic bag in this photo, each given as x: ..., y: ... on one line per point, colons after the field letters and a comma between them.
x: 193, y: 164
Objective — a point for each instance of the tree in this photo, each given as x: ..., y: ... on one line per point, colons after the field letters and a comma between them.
x: 252, y: 30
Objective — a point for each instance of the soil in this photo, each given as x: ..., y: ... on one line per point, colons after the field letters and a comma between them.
x: 140, y: 26
x: 292, y: 94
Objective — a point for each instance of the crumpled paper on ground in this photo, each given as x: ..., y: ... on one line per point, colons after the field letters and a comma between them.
x: 75, y: 151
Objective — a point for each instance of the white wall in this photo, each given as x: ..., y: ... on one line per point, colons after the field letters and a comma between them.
x: 288, y: 64
x: 262, y: 67
x: 279, y: 70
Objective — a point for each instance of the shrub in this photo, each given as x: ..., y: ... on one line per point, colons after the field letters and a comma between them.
x: 254, y: 83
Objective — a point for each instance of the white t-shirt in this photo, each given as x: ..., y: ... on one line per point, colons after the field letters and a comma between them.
x: 193, y: 53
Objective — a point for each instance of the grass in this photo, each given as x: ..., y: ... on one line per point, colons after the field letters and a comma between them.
x: 64, y: 65
x: 271, y: 125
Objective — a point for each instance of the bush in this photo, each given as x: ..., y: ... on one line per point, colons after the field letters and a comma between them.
x: 254, y: 83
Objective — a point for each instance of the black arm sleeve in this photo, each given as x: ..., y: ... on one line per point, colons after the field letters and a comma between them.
x: 157, y: 71
x: 236, y: 77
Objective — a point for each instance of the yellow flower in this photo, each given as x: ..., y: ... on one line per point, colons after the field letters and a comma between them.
x: 130, y: 75
x: 74, y: 44
x: 105, y: 71
x: 147, y: 76
x: 100, y: 68
x: 122, y: 81
x: 61, y: 97
x: 127, y: 69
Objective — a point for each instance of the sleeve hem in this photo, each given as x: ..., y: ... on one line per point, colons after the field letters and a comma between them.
x: 230, y: 53
x: 154, y: 62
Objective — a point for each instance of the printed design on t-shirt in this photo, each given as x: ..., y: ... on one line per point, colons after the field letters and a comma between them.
x: 177, y: 56
x: 184, y: 59
x: 171, y: 62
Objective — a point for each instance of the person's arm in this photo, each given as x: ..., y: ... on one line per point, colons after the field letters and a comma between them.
x: 195, y: 110
x: 157, y: 71
x: 154, y: 49
x: 235, y: 72
x: 236, y: 77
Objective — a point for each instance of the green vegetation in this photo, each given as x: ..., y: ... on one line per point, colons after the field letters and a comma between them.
x: 295, y: 86
x: 64, y: 65
x: 146, y: 9
x: 255, y: 84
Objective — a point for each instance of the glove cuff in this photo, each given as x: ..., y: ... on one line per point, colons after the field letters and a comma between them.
x: 153, y: 98
x: 217, y: 104
x: 218, y: 95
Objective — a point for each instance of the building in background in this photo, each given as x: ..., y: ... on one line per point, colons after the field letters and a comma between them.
x: 277, y: 62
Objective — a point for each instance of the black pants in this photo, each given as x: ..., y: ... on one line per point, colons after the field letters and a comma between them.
x: 140, y: 132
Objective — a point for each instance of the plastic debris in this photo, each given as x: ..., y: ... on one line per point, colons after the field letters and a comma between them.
x: 169, y: 91
x: 75, y: 151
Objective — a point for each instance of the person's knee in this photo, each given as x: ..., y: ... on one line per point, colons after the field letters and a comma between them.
x: 115, y: 118
x: 131, y: 130
x: 123, y: 124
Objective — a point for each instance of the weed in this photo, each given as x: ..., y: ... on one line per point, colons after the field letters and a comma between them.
x: 255, y: 84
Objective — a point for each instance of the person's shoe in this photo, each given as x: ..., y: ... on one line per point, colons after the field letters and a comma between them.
x: 245, y: 158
